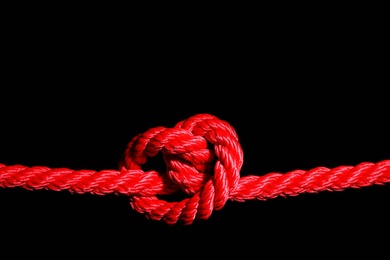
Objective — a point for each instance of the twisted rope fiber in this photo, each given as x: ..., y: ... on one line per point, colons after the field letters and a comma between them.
x: 203, y: 159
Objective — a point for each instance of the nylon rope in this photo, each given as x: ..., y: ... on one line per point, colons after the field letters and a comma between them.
x: 203, y: 159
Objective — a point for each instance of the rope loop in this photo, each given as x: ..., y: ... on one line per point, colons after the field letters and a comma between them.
x: 203, y: 158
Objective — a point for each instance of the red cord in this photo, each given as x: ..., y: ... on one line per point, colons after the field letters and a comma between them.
x: 203, y: 159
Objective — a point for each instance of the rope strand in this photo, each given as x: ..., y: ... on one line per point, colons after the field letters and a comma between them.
x: 203, y: 159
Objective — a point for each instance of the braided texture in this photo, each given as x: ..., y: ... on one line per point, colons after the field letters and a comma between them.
x: 203, y: 160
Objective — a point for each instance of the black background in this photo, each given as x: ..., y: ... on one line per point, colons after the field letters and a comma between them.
x: 298, y: 96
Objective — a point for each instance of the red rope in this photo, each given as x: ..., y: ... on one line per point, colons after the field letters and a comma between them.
x: 203, y: 159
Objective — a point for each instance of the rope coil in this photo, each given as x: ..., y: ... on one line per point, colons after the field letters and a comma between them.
x: 203, y: 159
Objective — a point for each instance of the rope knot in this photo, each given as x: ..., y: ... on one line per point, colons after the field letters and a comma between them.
x: 203, y: 159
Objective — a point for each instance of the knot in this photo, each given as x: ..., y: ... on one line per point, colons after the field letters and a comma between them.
x: 203, y: 159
